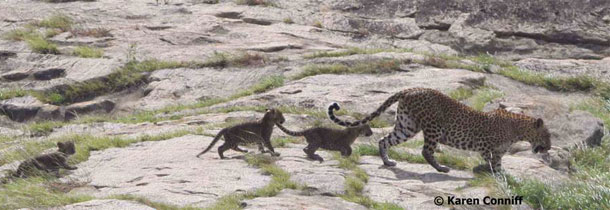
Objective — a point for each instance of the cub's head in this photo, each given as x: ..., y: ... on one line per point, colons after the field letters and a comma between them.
x: 274, y: 116
x: 365, y: 130
x: 66, y: 147
x: 538, y: 135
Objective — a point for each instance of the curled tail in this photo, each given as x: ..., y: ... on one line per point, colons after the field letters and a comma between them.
x: 220, y: 134
x: 388, y: 102
x: 289, y: 132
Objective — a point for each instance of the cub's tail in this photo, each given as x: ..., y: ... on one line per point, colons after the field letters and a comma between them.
x: 220, y: 134
x: 388, y: 102
x: 289, y: 132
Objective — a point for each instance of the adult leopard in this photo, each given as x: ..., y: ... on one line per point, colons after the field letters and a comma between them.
x: 447, y: 121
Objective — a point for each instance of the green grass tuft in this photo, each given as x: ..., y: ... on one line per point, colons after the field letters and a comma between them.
x: 284, y: 141
x: 374, y: 67
x: 18, y: 34
x: 88, y: 52
x: 461, y: 93
x: 288, y: 21
x: 484, y: 96
x: 58, y: 21
x: 352, y: 51
x: 147, y: 202
x: 40, y: 45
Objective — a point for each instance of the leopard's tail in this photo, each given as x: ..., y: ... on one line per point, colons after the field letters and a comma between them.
x: 289, y: 132
x: 220, y: 134
x: 388, y: 102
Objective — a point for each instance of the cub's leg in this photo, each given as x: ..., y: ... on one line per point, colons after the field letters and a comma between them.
x: 236, y: 148
x: 310, y: 150
x: 430, y: 144
x: 346, y: 151
x: 65, y: 165
x: 267, y: 143
x: 224, y: 147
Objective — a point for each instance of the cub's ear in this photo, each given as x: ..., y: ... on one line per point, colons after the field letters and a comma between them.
x: 60, y: 144
x: 267, y: 110
x: 539, y: 123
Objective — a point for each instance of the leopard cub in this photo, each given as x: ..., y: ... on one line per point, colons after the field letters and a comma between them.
x: 330, y: 139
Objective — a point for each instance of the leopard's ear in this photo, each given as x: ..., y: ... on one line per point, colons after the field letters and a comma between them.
x: 539, y: 123
x: 60, y: 144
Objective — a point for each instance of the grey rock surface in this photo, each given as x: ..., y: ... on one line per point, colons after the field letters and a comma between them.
x: 106, y: 204
x: 168, y: 172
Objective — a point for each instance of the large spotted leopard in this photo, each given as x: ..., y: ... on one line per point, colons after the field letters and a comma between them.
x: 447, y: 121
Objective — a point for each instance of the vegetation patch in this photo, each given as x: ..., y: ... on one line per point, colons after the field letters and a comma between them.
x: 280, y: 180
x: 57, y: 21
x: 352, y: 51
x: 461, y: 93
x: 34, y: 192
x: 317, y: 24
x: 288, y: 21
x: 91, y: 32
x: 40, y: 45
x: 372, y: 67
x: 356, y: 181
x: 18, y: 34
x: 88, y: 52
x: 284, y: 141
x: 12, y: 93
x: 155, y: 205
x: 484, y: 96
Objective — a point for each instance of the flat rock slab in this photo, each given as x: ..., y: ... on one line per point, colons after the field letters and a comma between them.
x: 291, y: 199
x: 530, y: 168
x: 325, y: 177
x: 106, y: 204
x: 413, y: 186
x: 357, y: 92
x: 168, y: 172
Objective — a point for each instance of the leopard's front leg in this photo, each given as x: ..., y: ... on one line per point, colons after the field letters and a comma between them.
x: 428, y: 153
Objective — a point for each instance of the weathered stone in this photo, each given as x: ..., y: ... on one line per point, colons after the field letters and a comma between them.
x: 257, y: 21
x: 323, y: 177
x: 291, y: 199
x: 20, y: 109
x: 49, y: 74
x: 168, y: 172
x: 414, y: 186
x: 74, y: 110
x: 15, y: 75
x: 576, y: 128
x: 105, y: 204
x: 529, y: 168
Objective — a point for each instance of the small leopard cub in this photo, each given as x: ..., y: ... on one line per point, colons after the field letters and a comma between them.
x: 48, y: 162
x: 330, y: 139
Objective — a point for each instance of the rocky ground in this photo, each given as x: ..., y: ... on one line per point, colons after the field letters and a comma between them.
x: 159, y: 79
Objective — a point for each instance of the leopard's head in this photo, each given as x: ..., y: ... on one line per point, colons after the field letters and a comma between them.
x: 274, y: 116
x: 365, y: 130
x: 539, y: 136
x: 66, y: 147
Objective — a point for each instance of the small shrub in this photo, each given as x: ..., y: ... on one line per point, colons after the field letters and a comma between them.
x: 88, y: 52
x: 484, y: 96
x: 18, y: 34
x: 288, y: 21
x: 375, y: 67
x: 317, y: 24
x: 461, y: 93
x: 58, y: 21
x: 40, y: 45
x: 12, y: 93
x: 91, y: 32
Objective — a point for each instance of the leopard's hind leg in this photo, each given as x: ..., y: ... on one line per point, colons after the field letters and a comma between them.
x: 404, y: 129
